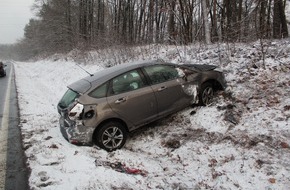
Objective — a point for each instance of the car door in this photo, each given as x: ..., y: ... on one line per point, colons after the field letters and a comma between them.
x: 132, y: 98
x: 167, y: 85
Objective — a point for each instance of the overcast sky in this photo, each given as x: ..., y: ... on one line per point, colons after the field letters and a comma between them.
x: 14, y: 15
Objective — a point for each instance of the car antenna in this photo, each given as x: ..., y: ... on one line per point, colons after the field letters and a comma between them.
x: 85, y: 70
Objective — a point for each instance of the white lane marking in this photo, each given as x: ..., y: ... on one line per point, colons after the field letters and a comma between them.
x: 4, y: 133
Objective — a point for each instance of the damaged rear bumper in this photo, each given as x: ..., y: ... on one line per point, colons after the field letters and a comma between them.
x: 75, y: 134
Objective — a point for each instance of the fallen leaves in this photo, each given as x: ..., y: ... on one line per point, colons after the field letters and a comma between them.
x: 121, y: 167
x: 53, y: 146
x: 287, y: 108
x: 171, y: 143
x: 284, y: 145
x: 272, y: 180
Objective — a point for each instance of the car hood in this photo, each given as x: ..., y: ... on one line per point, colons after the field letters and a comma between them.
x: 80, y: 86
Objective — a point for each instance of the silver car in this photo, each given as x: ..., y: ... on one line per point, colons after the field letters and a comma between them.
x: 101, y: 109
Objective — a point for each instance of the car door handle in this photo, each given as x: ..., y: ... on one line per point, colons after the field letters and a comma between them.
x: 121, y: 100
x: 162, y: 88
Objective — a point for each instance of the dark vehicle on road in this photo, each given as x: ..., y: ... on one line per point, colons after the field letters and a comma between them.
x: 103, y: 108
x: 2, y: 70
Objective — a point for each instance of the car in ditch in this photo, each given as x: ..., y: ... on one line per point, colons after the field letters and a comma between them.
x: 103, y: 108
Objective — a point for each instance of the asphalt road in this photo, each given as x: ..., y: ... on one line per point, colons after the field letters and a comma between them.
x: 13, y: 171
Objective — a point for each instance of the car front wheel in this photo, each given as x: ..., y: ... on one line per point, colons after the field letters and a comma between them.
x: 206, y: 94
x: 111, y: 136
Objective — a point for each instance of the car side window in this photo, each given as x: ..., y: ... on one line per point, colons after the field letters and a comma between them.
x: 161, y: 73
x: 127, y: 82
x: 99, y: 92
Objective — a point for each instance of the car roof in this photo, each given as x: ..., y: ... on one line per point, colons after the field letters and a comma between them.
x: 116, y: 70
x: 102, y: 76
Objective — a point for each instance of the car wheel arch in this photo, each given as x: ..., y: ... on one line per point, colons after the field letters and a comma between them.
x: 206, y: 86
x: 107, y: 121
x: 105, y: 128
x: 215, y: 84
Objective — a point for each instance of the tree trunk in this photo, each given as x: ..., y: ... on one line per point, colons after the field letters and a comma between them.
x: 215, y: 36
x: 69, y: 23
x: 171, y: 23
x: 269, y: 19
x: 205, y: 22
x: 263, y: 6
x: 280, y: 29
x: 240, y: 23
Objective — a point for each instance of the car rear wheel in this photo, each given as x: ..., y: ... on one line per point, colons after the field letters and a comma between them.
x: 111, y: 136
x: 206, y: 94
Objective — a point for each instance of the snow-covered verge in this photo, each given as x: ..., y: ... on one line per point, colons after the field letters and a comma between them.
x: 239, y: 142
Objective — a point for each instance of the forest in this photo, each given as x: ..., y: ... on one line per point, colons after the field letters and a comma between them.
x: 63, y: 25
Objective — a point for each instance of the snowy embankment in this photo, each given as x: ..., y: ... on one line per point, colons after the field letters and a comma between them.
x: 239, y: 142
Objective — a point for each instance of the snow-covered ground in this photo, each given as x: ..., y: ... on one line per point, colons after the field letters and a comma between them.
x: 239, y: 142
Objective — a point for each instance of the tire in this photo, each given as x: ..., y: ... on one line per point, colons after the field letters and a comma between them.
x: 206, y: 94
x: 111, y: 136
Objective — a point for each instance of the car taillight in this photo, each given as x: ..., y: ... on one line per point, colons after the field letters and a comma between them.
x: 76, y: 112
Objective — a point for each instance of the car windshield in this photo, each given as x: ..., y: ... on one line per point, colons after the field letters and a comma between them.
x: 68, y: 98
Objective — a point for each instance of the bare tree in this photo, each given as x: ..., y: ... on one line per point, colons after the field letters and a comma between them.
x: 205, y: 22
x: 63, y: 25
x: 280, y: 29
x: 171, y: 22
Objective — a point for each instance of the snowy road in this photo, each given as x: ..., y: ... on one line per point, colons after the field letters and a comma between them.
x: 13, y: 173
x: 4, y: 111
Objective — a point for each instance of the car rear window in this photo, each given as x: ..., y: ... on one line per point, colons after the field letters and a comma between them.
x: 68, y: 98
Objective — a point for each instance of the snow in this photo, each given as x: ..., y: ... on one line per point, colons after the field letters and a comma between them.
x: 241, y: 141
